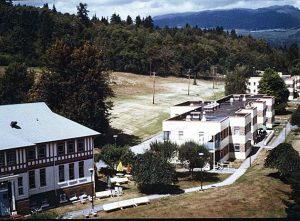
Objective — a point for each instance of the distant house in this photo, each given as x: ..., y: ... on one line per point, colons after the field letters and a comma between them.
x: 292, y: 83
x: 44, y: 158
x: 228, y: 127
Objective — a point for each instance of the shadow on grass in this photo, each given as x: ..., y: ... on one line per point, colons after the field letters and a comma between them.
x: 161, y: 189
x: 196, y: 176
x: 276, y: 175
x: 121, y: 140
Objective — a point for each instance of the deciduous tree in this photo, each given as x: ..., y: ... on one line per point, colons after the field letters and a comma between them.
x: 273, y: 85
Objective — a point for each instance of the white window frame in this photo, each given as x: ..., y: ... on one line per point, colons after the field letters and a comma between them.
x: 180, y: 135
x: 235, y: 149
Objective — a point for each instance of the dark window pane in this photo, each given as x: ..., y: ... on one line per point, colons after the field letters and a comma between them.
x: 43, y: 177
x: 60, y: 149
x: 31, y: 179
x: 61, y: 172
x: 2, y: 159
x: 71, y: 171
x: 80, y: 145
x: 81, y: 169
x: 11, y: 157
x: 41, y: 152
x: 71, y: 147
x: 30, y: 152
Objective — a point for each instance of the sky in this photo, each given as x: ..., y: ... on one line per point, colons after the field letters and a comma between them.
x: 154, y: 7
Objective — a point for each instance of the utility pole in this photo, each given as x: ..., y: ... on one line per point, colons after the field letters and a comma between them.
x: 189, y: 70
x: 153, y: 74
x: 150, y: 66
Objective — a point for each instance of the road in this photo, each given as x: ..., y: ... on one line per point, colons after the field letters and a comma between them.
x: 230, y: 180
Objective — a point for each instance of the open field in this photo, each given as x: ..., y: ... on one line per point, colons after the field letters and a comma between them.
x: 258, y: 193
x: 133, y: 111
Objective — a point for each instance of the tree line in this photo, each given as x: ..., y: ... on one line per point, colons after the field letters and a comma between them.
x: 134, y: 44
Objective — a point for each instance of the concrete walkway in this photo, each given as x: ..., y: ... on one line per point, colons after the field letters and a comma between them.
x: 228, y: 181
x: 144, y: 146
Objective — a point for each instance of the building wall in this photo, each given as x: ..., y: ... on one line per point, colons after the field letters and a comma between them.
x: 252, y: 85
x: 177, y: 110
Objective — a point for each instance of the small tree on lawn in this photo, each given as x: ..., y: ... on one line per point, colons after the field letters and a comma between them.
x: 284, y: 158
x: 167, y: 149
x: 112, y: 155
x: 189, y: 152
x: 152, y: 173
x: 295, y: 119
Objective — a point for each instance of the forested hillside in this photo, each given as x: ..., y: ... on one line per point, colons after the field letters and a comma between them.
x: 131, y: 44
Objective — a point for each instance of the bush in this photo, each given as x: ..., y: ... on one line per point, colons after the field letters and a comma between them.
x: 152, y: 173
x: 295, y: 119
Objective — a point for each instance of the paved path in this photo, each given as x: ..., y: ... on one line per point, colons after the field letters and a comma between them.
x: 143, y: 147
x: 228, y: 181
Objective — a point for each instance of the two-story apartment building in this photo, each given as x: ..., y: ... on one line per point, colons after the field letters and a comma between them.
x: 227, y: 127
x: 44, y: 158
x: 292, y: 83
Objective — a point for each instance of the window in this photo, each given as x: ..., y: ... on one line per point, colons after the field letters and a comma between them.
x: 254, y: 83
x: 254, y: 91
x: 20, y: 186
x: 11, y: 157
x: 41, y: 152
x: 236, y: 130
x: 30, y: 153
x: 180, y: 135
x: 63, y: 198
x: 60, y: 149
x: 43, y: 177
x: 61, y: 173
x: 166, y: 135
x: 81, y: 169
x: 31, y: 179
x: 80, y: 145
x: 2, y: 159
x: 71, y: 147
x: 71, y: 171
x: 236, y: 148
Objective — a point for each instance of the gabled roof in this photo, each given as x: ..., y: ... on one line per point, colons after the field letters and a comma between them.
x: 37, y: 124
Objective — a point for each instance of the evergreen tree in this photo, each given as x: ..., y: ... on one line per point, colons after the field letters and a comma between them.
x: 75, y: 85
x: 138, y: 21
x: 82, y: 13
x: 54, y: 9
x: 148, y: 22
x: 104, y: 20
x: 129, y: 20
x: 273, y: 85
x: 115, y: 19
x: 235, y: 82
x: 15, y: 84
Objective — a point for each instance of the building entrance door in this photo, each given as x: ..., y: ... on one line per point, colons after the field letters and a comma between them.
x: 4, y: 199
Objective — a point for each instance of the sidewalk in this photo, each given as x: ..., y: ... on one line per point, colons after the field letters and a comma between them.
x: 230, y: 180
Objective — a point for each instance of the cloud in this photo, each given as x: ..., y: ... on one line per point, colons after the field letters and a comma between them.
x: 154, y: 7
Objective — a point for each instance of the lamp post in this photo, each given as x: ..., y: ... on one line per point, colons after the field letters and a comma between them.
x: 201, y: 175
x: 115, y: 136
x: 153, y: 74
x: 92, y: 171
x: 189, y: 71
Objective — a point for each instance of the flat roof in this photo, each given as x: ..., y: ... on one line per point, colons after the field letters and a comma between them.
x: 225, y: 108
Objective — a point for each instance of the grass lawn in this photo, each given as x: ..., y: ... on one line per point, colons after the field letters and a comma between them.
x: 256, y: 194
x: 133, y: 111
x: 186, y: 181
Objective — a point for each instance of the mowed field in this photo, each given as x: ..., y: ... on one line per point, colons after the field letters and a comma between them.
x: 258, y: 193
x: 133, y: 111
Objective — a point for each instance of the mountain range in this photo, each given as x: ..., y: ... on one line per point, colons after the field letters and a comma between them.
x: 274, y: 17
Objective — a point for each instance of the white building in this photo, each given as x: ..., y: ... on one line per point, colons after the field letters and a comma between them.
x: 292, y: 83
x: 44, y: 158
x: 227, y: 127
